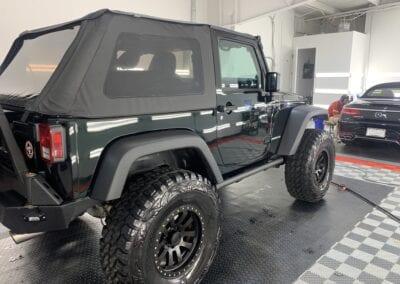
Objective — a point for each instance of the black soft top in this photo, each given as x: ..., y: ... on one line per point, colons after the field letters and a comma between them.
x: 76, y: 88
x: 99, y: 13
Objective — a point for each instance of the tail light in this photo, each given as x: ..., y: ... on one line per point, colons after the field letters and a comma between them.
x: 52, y: 143
x: 351, y: 111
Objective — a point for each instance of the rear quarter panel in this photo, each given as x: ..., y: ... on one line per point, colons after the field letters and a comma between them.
x: 87, y: 138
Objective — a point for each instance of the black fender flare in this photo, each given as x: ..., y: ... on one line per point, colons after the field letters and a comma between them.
x: 118, y: 158
x: 296, y: 125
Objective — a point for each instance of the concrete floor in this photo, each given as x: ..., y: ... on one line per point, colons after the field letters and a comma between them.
x: 267, y: 236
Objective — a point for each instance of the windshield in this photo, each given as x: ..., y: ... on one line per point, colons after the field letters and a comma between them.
x: 383, y: 93
x: 35, y: 62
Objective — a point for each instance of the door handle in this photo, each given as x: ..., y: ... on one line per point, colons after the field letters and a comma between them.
x: 228, y: 108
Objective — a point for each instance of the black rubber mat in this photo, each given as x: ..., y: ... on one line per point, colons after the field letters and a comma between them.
x: 371, y: 191
x: 267, y: 237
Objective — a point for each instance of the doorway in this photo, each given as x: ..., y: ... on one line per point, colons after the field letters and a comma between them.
x: 305, y: 73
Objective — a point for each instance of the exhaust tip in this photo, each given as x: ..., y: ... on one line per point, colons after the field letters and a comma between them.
x: 20, y: 238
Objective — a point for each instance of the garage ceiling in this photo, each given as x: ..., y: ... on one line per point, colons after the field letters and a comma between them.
x: 345, y: 5
x: 317, y: 8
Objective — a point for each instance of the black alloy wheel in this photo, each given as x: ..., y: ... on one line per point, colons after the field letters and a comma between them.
x: 180, y: 235
x: 321, y: 167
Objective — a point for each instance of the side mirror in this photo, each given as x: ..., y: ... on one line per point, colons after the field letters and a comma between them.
x: 272, y: 82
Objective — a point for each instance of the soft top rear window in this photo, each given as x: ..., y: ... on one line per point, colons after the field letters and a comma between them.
x: 383, y: 93
x: 154, y: 66
x: 34, y: 63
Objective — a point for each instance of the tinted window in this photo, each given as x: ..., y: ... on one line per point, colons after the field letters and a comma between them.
x: 147, y: 65
x: 239, y: 66
x: 35, y: 62
x: 383, y: 93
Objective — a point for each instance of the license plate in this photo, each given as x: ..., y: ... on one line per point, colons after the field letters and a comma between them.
x: 376, y: 132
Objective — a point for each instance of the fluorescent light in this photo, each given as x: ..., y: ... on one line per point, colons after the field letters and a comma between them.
x: 42, y: 66
x: 240, y: 123
x: 220, y: 92
x: 206, y: 112
x: 49, y: 68
x: 215, y: 128
x: 96, y: 126
x: 95, y: 153
x: 130, y: 69
x: 223, y: 126
x: 210, y: 130
x: 182, y: 72
x: 331, y: 91
x: 171, y: 116
x: 71, y: 131
x: 242, y: 109
x: 260, y: 105
x: 73, y: 159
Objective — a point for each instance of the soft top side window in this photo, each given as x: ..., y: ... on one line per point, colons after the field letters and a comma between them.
x: 154, y: 66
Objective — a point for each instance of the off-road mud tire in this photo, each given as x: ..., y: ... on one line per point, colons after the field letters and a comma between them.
x: 301, y: 178
x: 129, y: 238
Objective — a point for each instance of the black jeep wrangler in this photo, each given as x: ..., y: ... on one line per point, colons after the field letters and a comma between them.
x: 140, y: 121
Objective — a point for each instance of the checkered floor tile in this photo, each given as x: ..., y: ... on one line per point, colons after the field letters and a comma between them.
x: 370, y: 253
x: 367, y: 173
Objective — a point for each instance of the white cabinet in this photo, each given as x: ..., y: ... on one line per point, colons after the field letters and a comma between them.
x: 338, y: 66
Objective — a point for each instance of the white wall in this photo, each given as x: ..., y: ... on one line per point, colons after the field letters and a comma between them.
x: 333, y: 55
x: 358, y: 63
x: 281, y: 54
x: 339, y: 63
x: 213, y: 12
x: 201, y: 11
x: 375, y: 59
x: 21, y: 15
x: 306, y: 28
x: 235, y: 11
x: 384, y: 59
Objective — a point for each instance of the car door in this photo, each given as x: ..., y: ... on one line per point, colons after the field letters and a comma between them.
x: 240, y: 108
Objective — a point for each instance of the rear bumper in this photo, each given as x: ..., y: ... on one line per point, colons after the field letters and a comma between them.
x: 28, y: 204
x: 21, y: 218
x: 350, y: 131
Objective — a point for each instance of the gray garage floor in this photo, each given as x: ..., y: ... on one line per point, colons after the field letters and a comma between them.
x: 2, y: 230
x: 267, y: 236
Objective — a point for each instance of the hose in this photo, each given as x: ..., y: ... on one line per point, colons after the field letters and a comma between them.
x: 343, y: 187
